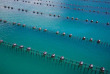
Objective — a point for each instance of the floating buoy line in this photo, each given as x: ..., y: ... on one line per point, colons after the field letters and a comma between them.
x: 78, y: 9
x: 61, y: 59
x: 106, y: 44
x: 72, y: 4
x: 54, y: 15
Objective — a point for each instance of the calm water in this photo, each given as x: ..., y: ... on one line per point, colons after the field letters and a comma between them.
x: 13, y: 62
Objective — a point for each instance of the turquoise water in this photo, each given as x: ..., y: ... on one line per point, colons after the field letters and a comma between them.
x: 72, y: 48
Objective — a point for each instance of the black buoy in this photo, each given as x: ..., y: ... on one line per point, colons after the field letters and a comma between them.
x: 86, y: 20
x: 58, y: 15
x: 37, y: 12
x: 53, y: 55
x: 22, y: 9
x: 54, y: 15
x: 91, y: 21
x: 33, y: 11
x: 11, y: 7
x: 98, y: 41
x: 5, y: 6
x: 70, y: 35
x: 34, y: 2
x: 102, y: 69
x: 67, y: 17
x: 41, y: 13
x: 26, y: 10
x: 8, y: 7
x: 4, y: 21
x: 0, y: 20
x: 62, y: 58
x: 107, y: 23
x: 91, y: 66
x: 23, y: 25
x: 18, y: 9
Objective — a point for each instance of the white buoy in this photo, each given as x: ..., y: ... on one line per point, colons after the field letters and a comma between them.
x: 57, y: 32
x: 83, y: 38
x: 40, y: 29
x: 102, y: 69
x: 81, y: 63
x: 21, y: 47
x: 62, y: 58
x: 44, y: 53
x: 98, y: 41
x: 14, y: 45
x: 96, y: 21
x: 19, y: 24
x: 91, y: 66
x: 53, y: 55
x: 34, y: 27
x: 63, y: 33
x: 28, y: 49
x: 1, y: 41
x: 91, y: 39
x: 45, y: 30
x: 76, y: 18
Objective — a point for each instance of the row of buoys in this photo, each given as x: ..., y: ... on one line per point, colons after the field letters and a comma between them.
x: 71, y: 8
x: 102, y: 69
x: 57, y: 32
x: 78, y: 8
x: 22, y: 10
x: 76, y: 5
x: 37, y: 12
x: 8, y: 7
x: 59, y: 16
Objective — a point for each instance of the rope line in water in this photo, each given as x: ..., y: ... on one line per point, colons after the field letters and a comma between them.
x: 106, y: 44
x: 78, y: 9
x: 54, y: 15
x: 61, y: 59
x: 72, y: 4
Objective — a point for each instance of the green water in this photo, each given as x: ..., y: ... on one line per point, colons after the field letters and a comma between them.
x: 16, y: 62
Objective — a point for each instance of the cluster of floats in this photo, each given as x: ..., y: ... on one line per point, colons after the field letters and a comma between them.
x: 54, y: 15
x: 58, y: 33
x: 45, y: 3
x: 80, y: 64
